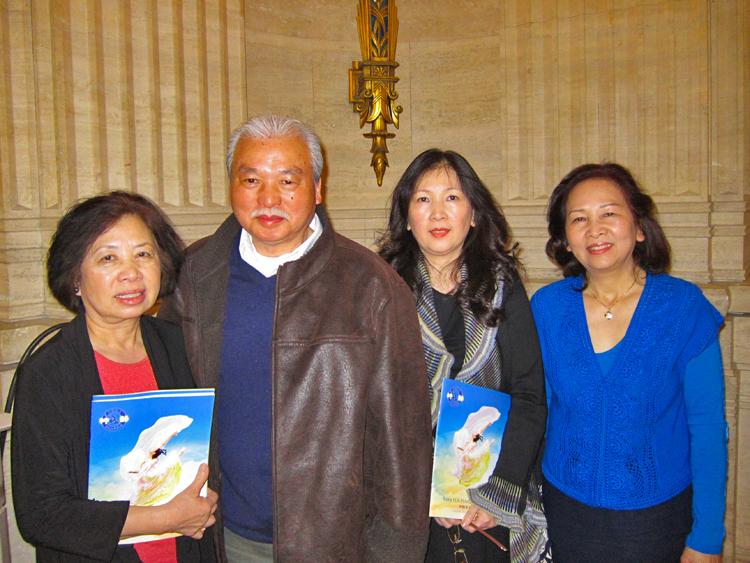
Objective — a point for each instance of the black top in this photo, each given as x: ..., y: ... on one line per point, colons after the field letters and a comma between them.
x: 451, y: 321
x: 50, y: 447
x: 522, y: 378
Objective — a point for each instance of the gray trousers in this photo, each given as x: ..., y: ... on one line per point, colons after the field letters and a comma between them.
x: 243, y: 550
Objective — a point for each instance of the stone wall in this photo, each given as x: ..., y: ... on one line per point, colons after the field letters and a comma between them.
x: 141, y: 95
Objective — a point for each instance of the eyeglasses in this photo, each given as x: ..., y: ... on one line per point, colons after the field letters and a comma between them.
x: 459, y: 553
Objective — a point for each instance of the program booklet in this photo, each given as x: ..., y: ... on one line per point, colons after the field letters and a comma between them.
x: 147, y: 447
x: 468, y: 439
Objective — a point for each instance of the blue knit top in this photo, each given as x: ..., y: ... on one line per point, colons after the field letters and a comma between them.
x: 621, y: 438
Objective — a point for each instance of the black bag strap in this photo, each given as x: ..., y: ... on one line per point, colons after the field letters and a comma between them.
x: 30, y: 349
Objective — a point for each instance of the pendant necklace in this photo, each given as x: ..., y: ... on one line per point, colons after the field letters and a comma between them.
x: 608, y: 314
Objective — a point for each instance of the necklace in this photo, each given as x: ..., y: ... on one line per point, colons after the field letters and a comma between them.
x: 608, y: 314
x: 442, y: 279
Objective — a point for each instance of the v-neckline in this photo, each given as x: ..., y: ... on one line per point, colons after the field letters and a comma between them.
x: 621, y: 344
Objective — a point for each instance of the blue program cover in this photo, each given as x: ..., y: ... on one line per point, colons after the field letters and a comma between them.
x: 469, y: 436
x: 147, y: 447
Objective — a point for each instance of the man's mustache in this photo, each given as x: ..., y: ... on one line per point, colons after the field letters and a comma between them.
x: 269, y: 211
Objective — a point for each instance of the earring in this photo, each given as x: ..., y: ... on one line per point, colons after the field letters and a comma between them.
x: 408, y: 227
x: 77, y: 290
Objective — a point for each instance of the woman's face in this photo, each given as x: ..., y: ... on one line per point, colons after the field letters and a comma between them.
x: 440, y: 215
x: 600, y: 228
x: 120, y: 273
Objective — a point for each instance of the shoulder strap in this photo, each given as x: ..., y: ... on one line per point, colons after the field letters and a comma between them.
x: 30, y: 349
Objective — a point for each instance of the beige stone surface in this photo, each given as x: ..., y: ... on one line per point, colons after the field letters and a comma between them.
x: 142, y: 95
x: 741, y: 337
x: 742, y: 484
x: 15, y: 337
x: 718, y: 298
x: 739, y: 299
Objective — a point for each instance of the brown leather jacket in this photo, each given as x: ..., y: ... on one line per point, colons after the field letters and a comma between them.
x: 351, y: 423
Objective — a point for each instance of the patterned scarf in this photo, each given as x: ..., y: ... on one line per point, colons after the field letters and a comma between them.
x: 482, y: 366
x: 482, y: 361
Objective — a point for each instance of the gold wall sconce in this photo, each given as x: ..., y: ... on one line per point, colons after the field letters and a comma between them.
x: 372, y: 81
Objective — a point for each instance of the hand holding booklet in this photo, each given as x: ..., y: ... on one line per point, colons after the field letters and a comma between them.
x: 468, y: 440
x: 147, y: 447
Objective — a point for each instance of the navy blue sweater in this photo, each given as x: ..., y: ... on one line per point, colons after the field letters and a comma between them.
x: 244, y: 402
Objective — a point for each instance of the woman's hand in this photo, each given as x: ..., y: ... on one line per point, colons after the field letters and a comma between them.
x: 689, y: 555
x: 448, y: 522
x: 474, y: 519
x: 188, y: 513
x: 477, y: 519
x: 193, y: 513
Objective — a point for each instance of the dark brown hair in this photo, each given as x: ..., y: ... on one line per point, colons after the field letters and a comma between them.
x: 652, y: 255
x: 83, y: 223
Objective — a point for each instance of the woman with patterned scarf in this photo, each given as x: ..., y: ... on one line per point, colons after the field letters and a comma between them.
x: 450, y: 242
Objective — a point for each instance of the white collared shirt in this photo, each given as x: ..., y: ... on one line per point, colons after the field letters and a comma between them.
x: 269, y: 265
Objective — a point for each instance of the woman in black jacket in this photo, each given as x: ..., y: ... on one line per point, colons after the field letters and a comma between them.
x: 450, y: 242
x: 111, y: 257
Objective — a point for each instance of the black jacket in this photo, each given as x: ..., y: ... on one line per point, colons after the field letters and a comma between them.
x: 50, y: 447
x: 523, y: 379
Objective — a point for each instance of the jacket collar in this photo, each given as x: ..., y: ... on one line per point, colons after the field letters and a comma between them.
x: 77, y: 334
x: 213, y: 258
x: 295, y: 275
x: 212, y: 262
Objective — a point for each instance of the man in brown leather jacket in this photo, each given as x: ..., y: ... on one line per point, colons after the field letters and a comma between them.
x: 321, y: 446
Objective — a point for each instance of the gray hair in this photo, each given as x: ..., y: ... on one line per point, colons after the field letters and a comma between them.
x: 272, y: 127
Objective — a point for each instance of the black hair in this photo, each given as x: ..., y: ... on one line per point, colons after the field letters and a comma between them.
x: 487, y: 252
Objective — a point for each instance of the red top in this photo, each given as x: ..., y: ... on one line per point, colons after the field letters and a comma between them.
x: 119, y: 378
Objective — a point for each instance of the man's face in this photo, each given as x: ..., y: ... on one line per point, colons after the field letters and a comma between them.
x: 273, y: 192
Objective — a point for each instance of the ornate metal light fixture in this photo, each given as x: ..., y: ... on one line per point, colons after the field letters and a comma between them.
x: 372, y: 81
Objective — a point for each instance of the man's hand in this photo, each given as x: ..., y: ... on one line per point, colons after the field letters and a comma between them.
x: 689, y: 555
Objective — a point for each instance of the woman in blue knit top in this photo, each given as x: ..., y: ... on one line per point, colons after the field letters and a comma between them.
x: 635, y: 462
